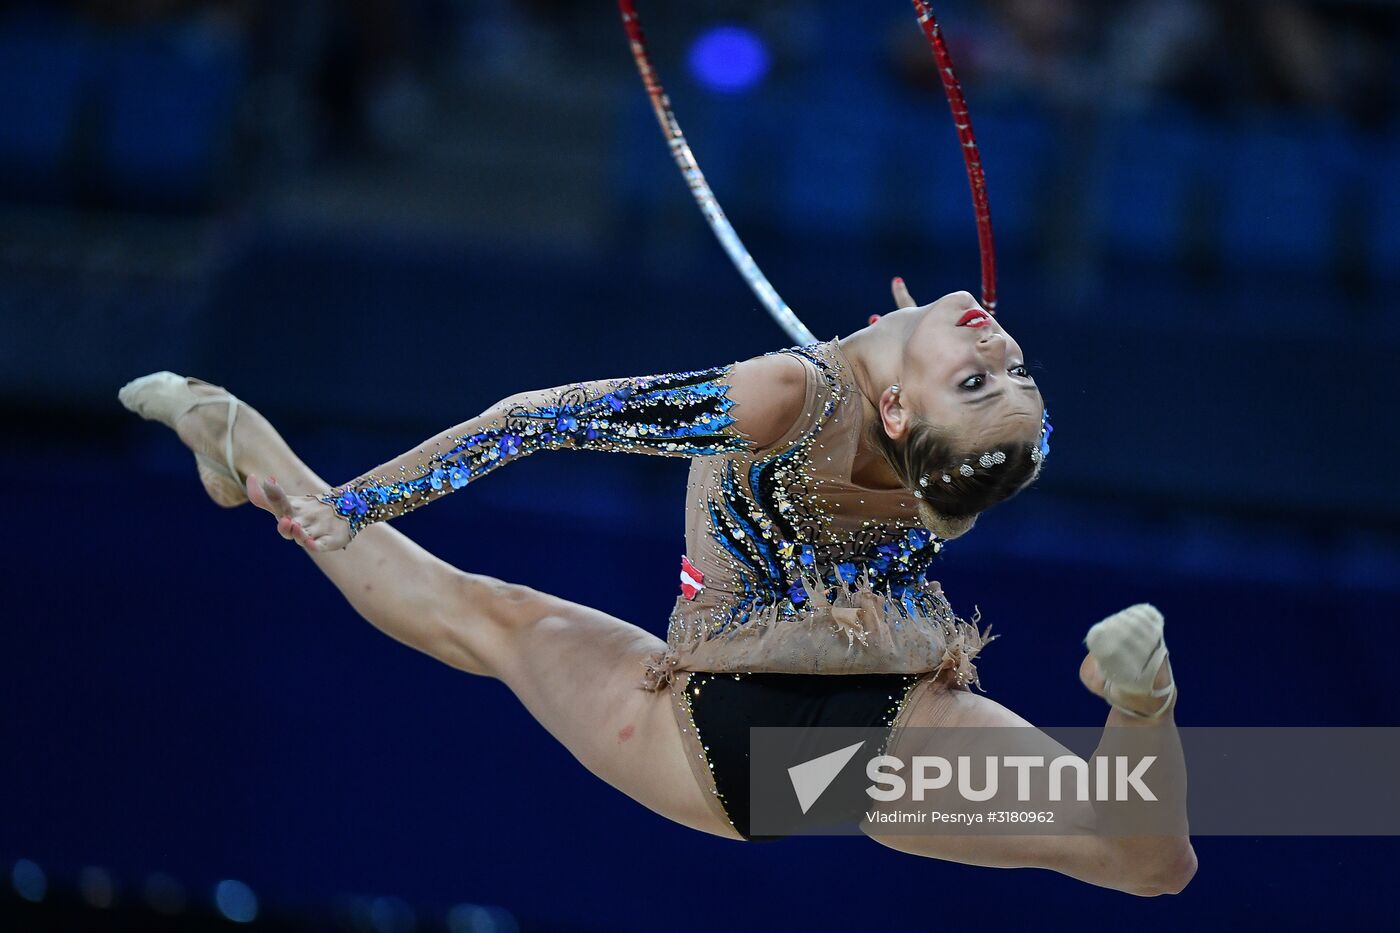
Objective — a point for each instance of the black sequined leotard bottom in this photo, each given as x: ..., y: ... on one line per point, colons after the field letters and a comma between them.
x: 724, y: 706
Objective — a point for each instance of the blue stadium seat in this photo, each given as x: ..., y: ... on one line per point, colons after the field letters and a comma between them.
x: 835, y: 159
x: 1280, y: 188
x: 41, y: 86
x: 643, y: 161
x: 167, y: 119
x: 1015, y: 145
x: 1158, y: 165
x: 1383, y: 185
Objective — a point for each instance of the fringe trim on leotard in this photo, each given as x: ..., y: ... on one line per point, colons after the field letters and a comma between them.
x: 857, y: 631
x: 660, y: 670
x: 965, y: 643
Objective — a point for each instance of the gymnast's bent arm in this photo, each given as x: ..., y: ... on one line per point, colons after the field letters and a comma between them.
x: 741, y: 407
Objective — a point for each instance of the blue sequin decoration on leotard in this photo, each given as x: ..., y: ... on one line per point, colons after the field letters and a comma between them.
x: 678, y: 413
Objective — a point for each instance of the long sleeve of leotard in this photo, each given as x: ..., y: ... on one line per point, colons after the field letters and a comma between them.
x: 727, y: 409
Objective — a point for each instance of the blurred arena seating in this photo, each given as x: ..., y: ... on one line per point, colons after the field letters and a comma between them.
x: 371, y: 219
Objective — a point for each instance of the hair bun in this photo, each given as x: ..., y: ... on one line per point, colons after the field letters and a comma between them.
x: 946, y: 527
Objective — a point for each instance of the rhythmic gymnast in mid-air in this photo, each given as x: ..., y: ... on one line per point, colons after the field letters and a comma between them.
x: 824, y: 480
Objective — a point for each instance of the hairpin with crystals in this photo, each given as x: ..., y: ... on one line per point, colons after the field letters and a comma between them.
x: 1039, y: 451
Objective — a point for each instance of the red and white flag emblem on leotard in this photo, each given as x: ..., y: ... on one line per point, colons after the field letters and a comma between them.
x: 692, y: 580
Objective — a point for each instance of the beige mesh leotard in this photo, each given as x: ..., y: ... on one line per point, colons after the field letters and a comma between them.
x: 800, y: 569
x: 789, y: 567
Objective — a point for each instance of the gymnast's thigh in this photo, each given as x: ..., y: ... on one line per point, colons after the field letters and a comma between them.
x: 579, y: 672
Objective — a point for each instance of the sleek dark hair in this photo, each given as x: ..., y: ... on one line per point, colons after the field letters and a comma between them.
x: 949, y: 508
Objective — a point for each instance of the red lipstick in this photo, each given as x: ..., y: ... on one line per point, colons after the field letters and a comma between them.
x: 975, y: 317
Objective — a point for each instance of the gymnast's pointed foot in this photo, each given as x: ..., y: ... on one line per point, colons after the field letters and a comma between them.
x: 1127, y: 663
x: 204, y: 416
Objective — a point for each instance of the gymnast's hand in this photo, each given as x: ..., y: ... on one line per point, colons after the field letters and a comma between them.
x: 902, y: 298
x: 304, y: 519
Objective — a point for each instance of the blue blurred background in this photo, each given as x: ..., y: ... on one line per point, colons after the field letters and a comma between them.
x: 372, y: 219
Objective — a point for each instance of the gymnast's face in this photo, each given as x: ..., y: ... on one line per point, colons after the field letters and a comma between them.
x: 962, y: 371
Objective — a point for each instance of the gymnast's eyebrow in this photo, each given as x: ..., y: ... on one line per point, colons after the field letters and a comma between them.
x: 984, y: 399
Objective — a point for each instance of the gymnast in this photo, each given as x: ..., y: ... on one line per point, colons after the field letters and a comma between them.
x: 824, y: 480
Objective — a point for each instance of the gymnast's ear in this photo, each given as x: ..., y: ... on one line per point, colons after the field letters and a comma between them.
x: 894, y: 417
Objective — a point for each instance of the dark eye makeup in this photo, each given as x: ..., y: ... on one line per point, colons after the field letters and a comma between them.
x: 973, y: 383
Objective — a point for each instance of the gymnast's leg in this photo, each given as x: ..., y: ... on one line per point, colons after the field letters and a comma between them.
x: 1143, y: 865
x: 577, y: 670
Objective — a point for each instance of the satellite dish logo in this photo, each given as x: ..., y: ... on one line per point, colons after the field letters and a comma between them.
x: 811, y: 778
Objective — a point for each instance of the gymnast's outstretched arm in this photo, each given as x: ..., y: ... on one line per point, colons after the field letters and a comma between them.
x: 736, y: 408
